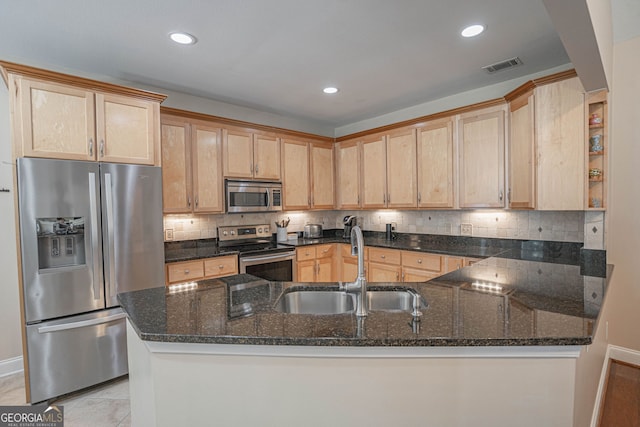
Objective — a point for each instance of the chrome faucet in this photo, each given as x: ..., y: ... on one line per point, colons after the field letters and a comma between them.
x: 359, y: 286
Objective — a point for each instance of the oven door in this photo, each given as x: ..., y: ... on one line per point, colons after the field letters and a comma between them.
x: 277, y: 267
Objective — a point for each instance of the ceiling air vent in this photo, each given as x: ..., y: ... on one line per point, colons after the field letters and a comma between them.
x: 499, y: 66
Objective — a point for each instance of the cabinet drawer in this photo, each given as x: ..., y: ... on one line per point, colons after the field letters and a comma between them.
x: 325, y: 251
x: 423, y: 261
x: 185, y: 271
x: 385, y: 256
x: 345, y: 251
x: 454, y: 263
x: 221, y: 266
x: 306, y: 253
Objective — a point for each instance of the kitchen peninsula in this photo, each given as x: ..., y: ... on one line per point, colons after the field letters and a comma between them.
x: 493, y: 338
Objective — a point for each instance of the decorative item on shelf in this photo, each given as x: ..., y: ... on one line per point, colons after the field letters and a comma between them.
x: 595, y: 202
x: 595, y: 120
x: 595, y: 174
x: 595, y: 144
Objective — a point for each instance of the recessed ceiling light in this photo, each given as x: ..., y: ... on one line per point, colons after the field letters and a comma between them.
x: 330, y: 90
x: 472, y: 30
x: 183, y: 38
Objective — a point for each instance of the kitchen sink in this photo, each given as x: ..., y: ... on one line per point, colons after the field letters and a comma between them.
x: 316, y: 302
x: 338, y: 302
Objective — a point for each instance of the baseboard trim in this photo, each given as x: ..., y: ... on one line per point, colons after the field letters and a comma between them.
x: 11, y: 366
x: 622, y: 354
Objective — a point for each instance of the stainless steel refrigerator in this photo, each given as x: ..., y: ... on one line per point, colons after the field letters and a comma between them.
x: 87, y: 231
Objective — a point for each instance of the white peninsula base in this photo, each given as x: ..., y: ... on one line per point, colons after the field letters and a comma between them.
x: 175, y: 384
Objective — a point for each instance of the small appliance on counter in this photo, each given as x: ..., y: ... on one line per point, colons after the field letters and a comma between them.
x: 312, y: 231
x: 349, y: 221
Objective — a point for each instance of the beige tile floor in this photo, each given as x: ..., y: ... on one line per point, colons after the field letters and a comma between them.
x: 106, y: 405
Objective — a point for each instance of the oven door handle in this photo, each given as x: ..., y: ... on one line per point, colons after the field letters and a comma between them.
x: 284, y: 256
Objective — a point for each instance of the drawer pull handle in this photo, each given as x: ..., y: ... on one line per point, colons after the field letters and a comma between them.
x: 382, y: 256
x: 186, y: 271
x: 419, y: 261
x: 221, y: 266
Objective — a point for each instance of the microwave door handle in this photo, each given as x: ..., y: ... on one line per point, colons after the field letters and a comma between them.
x: 93, y: 212
x: 268, y: 198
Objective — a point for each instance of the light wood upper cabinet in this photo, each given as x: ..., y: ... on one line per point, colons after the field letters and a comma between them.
x: 192, y: 161
x: 266, y: 157
x: 348, y: 174
x: 176, y: 166
x: 67, y: 122
x: 435, y: 165
x: 57, y: 121
x: 307, y: 169
x: 374, y: 172
x: 481, y: 150
x: 401, y: 167
x: 206, y: 166
x: 295, y: 161
x: 522, y: 164
x: 126, y: 129
x: 322, y: 179
x: 560, y: 132
x: 251, y: 155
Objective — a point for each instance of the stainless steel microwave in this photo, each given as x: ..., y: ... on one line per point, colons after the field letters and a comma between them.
x: 253, y: 196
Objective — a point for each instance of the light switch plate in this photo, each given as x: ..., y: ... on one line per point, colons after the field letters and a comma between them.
x: 168, y: 234
x: 466, y: 229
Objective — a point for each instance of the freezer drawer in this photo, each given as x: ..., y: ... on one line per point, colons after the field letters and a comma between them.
x: 76, y: 352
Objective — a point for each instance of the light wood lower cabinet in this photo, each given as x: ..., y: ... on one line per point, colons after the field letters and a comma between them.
x: 315, y: 263
x: 348, y: 264
x: 420, y: 266
x: 208, y: 268
x: 384, y: 265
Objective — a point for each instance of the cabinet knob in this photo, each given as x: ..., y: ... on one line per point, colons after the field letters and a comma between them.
x: 500, y: 196
x: 189, y: 201
x: 196, y: 201
x: 186, y: 271
x: 221, y: 266
x: 419, y: 261
x: 419, y: 197
x: 383, y: 256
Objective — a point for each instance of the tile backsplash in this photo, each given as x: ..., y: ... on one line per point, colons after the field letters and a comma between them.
x: 563, y: 226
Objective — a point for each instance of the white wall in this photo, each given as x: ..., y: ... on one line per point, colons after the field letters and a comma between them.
x: 620, y: 315
x: 10, y: 339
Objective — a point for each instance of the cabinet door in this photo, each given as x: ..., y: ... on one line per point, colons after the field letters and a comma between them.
x: 435, y: 165
x: 306, y: 271
x: 176, y: 167
x: 402, y: 189
x: 207, y: 165
x: 324, y: 270
x: 560, y: 133
x: 322, y: 183
x: 237, y: 151
x: 295, y: 161
x: 178, y: 272
x: 348, y: 176
x: 266, y: 157
x: 126, y: 129
x: 374, y: 173
x: 521, y: 194
x: 482, y: 160
x: 383, y: 272
x: 221, y: 266
x: 57, y: 121
x: 349, y: 270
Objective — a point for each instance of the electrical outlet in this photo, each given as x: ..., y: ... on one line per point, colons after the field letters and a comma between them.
x: 466, y: 229
x: 394, y: 226
x: 168, y: 234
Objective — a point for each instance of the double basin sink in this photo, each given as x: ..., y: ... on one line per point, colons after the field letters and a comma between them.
x: 331, y: 301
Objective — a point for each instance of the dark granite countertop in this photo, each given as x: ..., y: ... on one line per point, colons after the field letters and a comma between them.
x: 514, y: 302
x: 194, y: 249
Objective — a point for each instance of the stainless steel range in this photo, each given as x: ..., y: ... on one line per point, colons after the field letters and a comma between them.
x: 259, y: 255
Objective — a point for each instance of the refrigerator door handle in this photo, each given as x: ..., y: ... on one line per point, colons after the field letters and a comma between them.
x: 93, y: 211
x: 110, y: 258
x: 81, y: 324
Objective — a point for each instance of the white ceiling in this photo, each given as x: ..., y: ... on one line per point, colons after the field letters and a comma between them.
x: 277, y: 55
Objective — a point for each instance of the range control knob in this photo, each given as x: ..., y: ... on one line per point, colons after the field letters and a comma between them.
x: 259, y: 230
x: 233, y: 233
x: 224, y: 233
x: 266, y: 229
